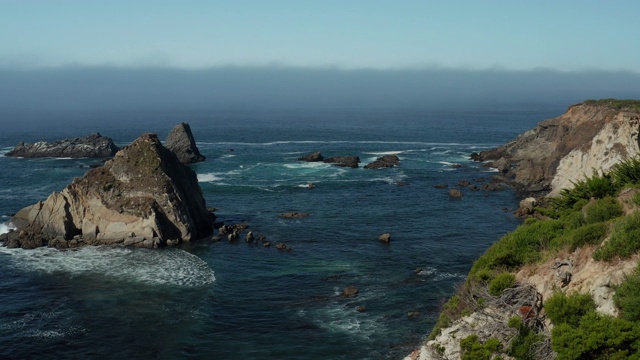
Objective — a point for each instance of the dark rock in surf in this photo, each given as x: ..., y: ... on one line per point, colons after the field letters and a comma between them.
x: 343, y: 161
x: 384, y: 162
x: 385, y: 238
x: 441, y: 186
x: 294, y: 215
x: 313, y: 157
x: 90, y: 146
x: 349, y: 291
x: 180, y: 140
x: 454, y: 193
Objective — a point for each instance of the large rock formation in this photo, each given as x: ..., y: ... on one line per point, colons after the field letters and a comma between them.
x: 590, y: 135
x: 90, y: 146
x: 144, y: 196
x: 180, y: 141
x: 312, y: 157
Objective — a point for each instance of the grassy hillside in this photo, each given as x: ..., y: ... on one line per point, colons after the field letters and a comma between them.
x: 592, y: 213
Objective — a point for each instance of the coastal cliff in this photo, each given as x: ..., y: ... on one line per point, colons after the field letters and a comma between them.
x: 553, y: 286
x: 142, y: 197
x: 592, y: 135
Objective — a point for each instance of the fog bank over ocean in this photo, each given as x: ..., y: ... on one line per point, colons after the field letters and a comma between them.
x: 112, y: 88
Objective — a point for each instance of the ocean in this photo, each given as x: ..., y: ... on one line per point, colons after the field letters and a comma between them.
x: 221, y: 300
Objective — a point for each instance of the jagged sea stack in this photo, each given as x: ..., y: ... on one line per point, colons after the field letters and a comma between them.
x: 144, y: 197
x: 180, y: 141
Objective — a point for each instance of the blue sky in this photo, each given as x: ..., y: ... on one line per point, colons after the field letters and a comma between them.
x: 372, y: 34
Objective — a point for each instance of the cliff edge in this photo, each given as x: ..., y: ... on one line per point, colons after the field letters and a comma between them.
x: 592, y: 135
x: 566, y: 283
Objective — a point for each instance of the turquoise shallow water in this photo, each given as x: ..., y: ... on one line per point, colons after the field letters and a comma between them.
x: 236, y: 301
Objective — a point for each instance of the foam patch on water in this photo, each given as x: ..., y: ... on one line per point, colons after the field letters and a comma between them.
x: 308, y: 165
x: 338, y: 318
x: 382, y: 153
x: 6, y: 227
x: 156, y: 267
x: 208, y: 177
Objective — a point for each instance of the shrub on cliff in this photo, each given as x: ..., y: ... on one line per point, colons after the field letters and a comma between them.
x: 500, y: 283
x: 591, y: 234
x: 597, y: 186
x: 522, y: 246
x: 602, y: 210
x: 472, y: 349
x: 627, y: 297
x: 596, y: 337
x: 624, y: 240
x: 563, y: 309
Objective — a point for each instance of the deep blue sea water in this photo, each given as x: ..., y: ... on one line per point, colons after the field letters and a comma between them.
x: 216, y: 300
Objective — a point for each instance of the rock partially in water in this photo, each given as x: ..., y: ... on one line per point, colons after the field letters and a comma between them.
x: 385, y: 238
x: 180, y: 140
x: 344, y: 161
x: 294, y: 215
x: 384, y: 162
x: 144, y: 197
x: 90, y: 146
x: 313, y: 157
x: 349, y: 291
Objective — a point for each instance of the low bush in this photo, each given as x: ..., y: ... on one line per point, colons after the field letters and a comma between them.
x: 563, y: 309
x: 627, y: 297
x: 602, y: 210
x: 472, y: 349
x: 522, y: 344
x: 624, y: 240
x: 591, y: 234
x: 596, y: 337
x: 522, y: 246
x: 500, y: 283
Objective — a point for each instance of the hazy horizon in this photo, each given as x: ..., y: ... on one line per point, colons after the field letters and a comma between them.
x: 120, y: 88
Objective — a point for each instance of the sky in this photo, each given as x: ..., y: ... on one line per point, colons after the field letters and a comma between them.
x: 561, y: 35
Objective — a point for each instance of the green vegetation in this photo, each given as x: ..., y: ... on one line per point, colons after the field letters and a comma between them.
x: 624, y: 240
x: 521, y: 346
x: 586, y: 214
x: 472, y: 349
x: 562, y: 309
x: 627, y: 297
x: 500, y: 283
x: 616, y: 104
x: 597, y: 337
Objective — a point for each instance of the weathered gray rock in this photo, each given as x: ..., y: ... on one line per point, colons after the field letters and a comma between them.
x: 144, y: 196
x: 562, y: 150
x: 344, y: 161
x: 90, y: 146
x: 384, y: 162
x: 313, y: 157
x: 180, y: 141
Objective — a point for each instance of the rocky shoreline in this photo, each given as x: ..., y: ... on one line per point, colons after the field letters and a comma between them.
x: 90, y: 146
x: 590, y: 138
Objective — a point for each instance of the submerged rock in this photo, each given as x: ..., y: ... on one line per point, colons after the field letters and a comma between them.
x: 144, y: 196
x: 294, y: 215
x: 180, y: 141
x: 90, y: 146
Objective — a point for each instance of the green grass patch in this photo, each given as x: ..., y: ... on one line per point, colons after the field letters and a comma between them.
x: 602, y: 210
x: 472, y: 349
x: 563, y: 309
x: 616, y: 104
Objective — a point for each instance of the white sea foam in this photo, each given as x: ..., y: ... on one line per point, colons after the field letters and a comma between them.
x: 208, y: 177
x: 156, y: 267
x: 6, y: 227
x: 227, y: 156
x: 382, y: 153
x: 307, y: 165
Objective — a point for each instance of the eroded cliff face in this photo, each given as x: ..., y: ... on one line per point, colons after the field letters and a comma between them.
x: 588, y: 137
x: 144, y: 196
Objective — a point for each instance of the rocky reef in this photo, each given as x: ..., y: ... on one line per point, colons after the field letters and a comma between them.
x: 90, y: 146
x: 385, y: 161
x: 143, y: 197
x: 180, y: 140
x: 592, y: 135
